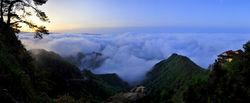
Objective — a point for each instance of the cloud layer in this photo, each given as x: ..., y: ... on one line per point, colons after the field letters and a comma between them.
x: 131, y: 55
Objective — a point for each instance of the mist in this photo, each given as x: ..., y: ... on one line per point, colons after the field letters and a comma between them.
x: 131, y: 55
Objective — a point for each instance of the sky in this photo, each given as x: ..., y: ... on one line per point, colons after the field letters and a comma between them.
x: 175, y: 15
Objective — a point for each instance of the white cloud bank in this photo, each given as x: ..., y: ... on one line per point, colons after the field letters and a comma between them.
x: 131, y: 55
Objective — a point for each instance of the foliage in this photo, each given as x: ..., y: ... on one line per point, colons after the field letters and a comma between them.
x: 227, y: 82
x: 56, y: 70
x: 18, y: 77
x: 18, y: 11
x: 169, y: 78
x: 111, y: 83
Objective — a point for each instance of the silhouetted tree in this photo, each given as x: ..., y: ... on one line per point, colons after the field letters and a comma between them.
x: 247, y: 48
x: 14, y: 12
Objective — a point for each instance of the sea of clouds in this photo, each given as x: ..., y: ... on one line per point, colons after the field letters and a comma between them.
x: 131, y: 55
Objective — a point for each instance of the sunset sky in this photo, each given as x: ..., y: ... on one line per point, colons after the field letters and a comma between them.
x: 80, y: 15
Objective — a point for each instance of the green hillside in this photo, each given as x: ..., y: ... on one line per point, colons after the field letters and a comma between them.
x: 111, y: 82
x: 169, y: 78
x: 68, y: 79
x: 179, y: 80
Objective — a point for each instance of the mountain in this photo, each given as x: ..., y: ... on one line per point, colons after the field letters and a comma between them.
x: 169, y: 78
x: 87, y: 61
x: 111, y: 82
x: 114, y: 80
x: 57, y: 70
x: 68, y: 79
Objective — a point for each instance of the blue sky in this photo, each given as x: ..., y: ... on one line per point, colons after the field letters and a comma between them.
x: 200, y: 15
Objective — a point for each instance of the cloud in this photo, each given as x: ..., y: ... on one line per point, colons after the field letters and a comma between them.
x: 131, y: 55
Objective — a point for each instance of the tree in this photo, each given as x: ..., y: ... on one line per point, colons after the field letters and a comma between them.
x: 14, y: 12
x: 247, y: 48
x: 227, y: 82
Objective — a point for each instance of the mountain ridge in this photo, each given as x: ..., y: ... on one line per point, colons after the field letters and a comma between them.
x: 170, y: 77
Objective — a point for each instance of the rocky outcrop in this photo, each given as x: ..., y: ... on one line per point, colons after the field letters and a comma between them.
x: 132, y: 96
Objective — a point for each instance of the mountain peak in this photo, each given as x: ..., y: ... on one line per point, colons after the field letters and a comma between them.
x: 175, y: 71
x: 175, y: 55
x: 175, y: 63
